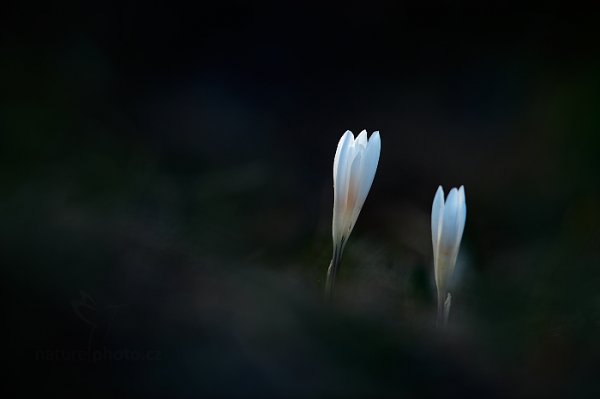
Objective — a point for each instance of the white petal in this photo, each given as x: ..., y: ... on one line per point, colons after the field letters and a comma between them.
x: 372, y: 153
x: 354, y: 185
x: 341, y: 151
x: 447, y: 241
x: 361, y: 139
x: 341, y: 171
x: 374, y: 146
x: 437, y: 211
x: 369, y: 168
x: 462, y: 214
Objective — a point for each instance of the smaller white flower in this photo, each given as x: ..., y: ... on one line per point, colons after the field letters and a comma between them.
x: 447, y: 226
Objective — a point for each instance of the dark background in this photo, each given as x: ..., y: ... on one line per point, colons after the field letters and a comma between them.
x: 166, y: 198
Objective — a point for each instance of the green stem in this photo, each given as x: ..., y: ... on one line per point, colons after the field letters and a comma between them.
x: 332, y: 271
x: 447, y: 305
x: 443, y: 309
x: 439, y: 322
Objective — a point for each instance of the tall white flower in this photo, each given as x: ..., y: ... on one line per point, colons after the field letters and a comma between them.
x: 447, y: 226
x: 354, y: 169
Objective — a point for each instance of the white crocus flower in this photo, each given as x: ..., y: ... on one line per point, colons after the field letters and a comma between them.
x: 447, y: 226
x: 354, y: 168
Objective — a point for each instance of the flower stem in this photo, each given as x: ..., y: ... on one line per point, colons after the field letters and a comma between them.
x: 443, y: 309
x: 447, y: 305
x: 440, y: 311
x: 332, y: 271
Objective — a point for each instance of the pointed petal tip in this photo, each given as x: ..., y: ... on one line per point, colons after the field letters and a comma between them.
x: 438, y: 199
x: 439, y: 191
x: 346, y: 139
x: 361, y: 139
x: 462, y: 201
x: 342, y: 155
x: 437, y: 212
x: 374, y: 144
